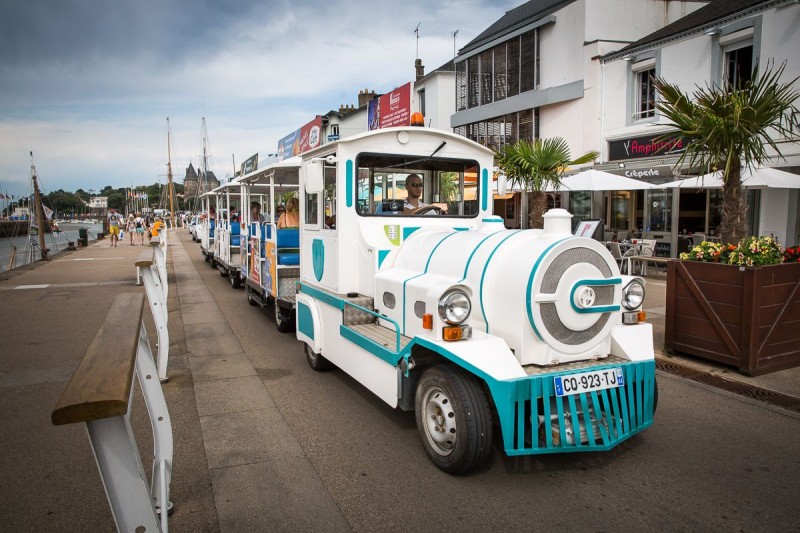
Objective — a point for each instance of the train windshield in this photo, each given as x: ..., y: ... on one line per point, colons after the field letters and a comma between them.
x: 407, y: 185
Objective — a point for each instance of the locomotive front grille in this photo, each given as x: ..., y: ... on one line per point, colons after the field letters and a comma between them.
x: 551, y: 321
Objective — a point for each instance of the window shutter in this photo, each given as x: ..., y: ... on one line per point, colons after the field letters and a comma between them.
x: 461, y: 86
x: 512, y: 66
x: 472, y: 85
x: 528, y: 61
x: 500, y: 72
x: 487, y: 63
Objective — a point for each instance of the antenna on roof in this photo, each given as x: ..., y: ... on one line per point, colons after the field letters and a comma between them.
x: 416, y: 30
x: 454, y: 34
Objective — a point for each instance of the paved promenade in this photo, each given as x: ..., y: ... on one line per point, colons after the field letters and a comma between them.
x: 238, y: 464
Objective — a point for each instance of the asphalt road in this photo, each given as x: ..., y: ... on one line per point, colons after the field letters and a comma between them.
x: 710, y: 462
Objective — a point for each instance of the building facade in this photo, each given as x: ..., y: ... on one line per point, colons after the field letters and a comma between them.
x: 721, y: 43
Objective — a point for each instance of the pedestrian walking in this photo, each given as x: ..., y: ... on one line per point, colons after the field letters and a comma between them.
x: 139, y: 228
x: 115, y: 223
x: 130, y: 227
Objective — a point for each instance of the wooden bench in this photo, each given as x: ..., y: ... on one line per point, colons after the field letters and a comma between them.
x: 100, y: 394
x: 154, y: 277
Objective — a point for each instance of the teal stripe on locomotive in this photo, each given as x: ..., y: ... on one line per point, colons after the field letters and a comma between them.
x: 348, y: 175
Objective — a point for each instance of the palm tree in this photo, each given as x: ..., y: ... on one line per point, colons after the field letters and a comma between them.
x: 536, y: 166
x: 728, y: 127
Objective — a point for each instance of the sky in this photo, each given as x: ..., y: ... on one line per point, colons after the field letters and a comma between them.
x: 87, y: 85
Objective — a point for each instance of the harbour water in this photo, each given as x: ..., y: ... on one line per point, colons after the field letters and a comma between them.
x: 55, y: 242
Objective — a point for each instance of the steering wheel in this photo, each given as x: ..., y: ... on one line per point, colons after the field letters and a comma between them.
x: 427, y: 209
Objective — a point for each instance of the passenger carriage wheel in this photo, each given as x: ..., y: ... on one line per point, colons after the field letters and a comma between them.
x: 236, y: 281
x: 208, y: 258
x: 282, y: 322
x: 453, y: 419
x: 316, y: 360
x: 250, y: 299
x: 213, y: 263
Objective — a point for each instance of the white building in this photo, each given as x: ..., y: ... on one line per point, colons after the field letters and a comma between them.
x: 722, y: 42
x: 536, y: 72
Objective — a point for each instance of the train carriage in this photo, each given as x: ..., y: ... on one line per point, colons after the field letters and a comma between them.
x: 271, y: 265
x: 430, y: 303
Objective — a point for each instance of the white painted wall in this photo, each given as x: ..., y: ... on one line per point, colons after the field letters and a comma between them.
x: 440, y: 101
x: 562, y: 47
x: 772, y: 219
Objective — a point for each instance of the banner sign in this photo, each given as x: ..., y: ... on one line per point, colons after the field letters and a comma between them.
x: 391, y: 109
x: 656, y: 145
x: 249, y: 165
x: 302, y: 140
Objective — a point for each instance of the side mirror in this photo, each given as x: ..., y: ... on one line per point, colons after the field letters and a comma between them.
x: 314, y: 183
x: 502, y: 184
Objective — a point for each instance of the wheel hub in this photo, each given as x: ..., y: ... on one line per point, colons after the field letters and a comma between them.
x: 440, y: 420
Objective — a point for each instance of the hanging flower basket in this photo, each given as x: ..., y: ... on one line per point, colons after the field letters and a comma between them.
x: 720, y: 308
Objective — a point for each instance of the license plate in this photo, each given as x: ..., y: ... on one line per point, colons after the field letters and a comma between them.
x: 608, y: 378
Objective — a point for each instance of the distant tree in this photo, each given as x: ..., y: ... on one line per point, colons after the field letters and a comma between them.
x: 116, y: 200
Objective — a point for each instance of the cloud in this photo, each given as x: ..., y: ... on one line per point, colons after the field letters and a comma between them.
x: 108, y: 73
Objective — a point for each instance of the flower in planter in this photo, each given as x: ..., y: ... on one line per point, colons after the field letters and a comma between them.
x: 791, y: 255
x: 757, y: 251
x: 709, y: 252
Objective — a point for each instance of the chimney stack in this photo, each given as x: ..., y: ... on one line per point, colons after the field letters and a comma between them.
x: 420, y: 68
x: 365, y: 96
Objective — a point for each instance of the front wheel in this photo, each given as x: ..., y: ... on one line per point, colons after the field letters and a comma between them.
x: 236, y: 281
x: 316, y: 360
x: 453, y: 419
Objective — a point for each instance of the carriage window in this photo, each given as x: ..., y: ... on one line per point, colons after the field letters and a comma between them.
x: 329, y: 199
x: 391, y: 185
x: 312, y: 211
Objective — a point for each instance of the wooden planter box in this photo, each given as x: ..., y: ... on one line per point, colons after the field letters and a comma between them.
x: 745, y: 317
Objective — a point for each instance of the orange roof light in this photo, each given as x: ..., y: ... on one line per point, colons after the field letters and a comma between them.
x: 417, y: 119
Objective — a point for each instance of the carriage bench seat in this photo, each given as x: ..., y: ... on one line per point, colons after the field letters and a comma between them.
x: 288, y: 245
x: 236, y: 237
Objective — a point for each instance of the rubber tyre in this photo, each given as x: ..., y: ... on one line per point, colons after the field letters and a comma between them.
x: 316, y: 360
x: 283, y: 323
x: 207, y: 258
x: 213, y: 263
x: 236, y: 281
x: 252, y: 301
x: 452, y: 400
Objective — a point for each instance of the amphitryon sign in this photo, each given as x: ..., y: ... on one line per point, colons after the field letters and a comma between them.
x: 656, y: 145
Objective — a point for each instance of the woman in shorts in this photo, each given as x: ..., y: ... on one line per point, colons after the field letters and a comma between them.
x: 139, y: 226
x: 130, y: 227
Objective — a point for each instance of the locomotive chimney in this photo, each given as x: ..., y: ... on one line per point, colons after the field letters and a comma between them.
x: 558, y: 221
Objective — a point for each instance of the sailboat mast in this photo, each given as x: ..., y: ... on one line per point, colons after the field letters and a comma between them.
x: 205, y: 156
x: 170, y: 186
x: 37, y: 200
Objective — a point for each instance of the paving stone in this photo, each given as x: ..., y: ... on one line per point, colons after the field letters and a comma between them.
x: 231, y: 395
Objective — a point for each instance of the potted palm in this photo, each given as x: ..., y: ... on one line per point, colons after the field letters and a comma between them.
x: 736, y: 303
x: 535, y: 167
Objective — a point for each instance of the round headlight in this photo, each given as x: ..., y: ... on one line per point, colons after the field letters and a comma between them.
x: 633, y: 295
x: 454, y: 307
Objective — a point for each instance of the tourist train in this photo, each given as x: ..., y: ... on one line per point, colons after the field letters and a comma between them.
x: 435, y: 307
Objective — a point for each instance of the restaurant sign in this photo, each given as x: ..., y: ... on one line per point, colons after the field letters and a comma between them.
x: 656, y: 145
x: 655, y: 173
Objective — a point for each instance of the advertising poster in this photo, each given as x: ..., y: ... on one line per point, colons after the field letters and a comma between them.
x: 391, y: 109
x: 270, y: 270
x: 254, y: 267
x: 249, y: 165
x: 301, y: 140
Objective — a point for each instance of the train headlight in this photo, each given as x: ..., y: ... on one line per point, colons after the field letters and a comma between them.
x: 633, y: 295
x: 454, y: 306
